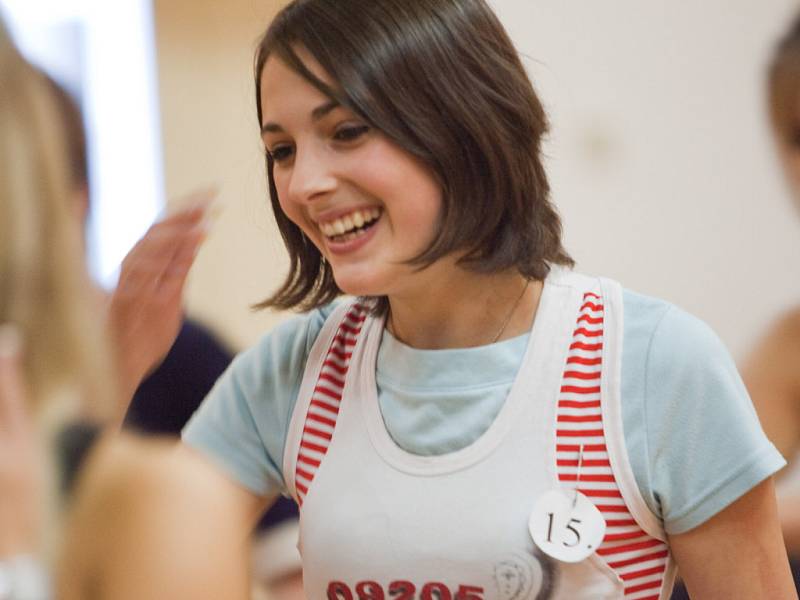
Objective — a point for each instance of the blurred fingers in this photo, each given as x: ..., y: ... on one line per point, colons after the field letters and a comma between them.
x: 196, y: 211
x: 199, y: 201
x: 168, y: 249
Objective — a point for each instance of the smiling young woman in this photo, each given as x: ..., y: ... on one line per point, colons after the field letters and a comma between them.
x: 480, y: 422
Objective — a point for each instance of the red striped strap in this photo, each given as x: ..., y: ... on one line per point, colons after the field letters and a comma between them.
x: 638, y: 559
x: 323, y: 409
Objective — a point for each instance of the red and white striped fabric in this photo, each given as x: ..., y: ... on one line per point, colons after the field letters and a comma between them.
x: 325, y: 400
x: 638, y: 559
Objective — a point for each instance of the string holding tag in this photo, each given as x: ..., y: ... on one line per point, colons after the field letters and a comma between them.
x: 578, y: 476
x: 567, y: 526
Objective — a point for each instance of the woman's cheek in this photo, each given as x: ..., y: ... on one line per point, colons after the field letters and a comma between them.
x: 289, y: 208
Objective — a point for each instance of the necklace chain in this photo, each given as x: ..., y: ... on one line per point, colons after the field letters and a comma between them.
x: 511, y: 312
x: 506, y: 321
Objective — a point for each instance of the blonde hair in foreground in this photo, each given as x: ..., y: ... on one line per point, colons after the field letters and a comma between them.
x: 43, y: 284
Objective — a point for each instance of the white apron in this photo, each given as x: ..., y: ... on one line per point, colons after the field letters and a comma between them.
x: 380, y: 523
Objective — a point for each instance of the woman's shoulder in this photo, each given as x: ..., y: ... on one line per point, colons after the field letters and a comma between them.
x: 644, y: 317
x: 683, y: 400
x: 288, y: 343
x: 245, y: 418
x: 654, y: 327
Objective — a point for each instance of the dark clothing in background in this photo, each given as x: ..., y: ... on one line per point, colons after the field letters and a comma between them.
x: 163, y: 402
x: 72, y: 447
x: 169, y: 396
x: 284, y: 509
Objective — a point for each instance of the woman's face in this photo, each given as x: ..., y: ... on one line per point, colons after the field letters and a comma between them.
x: 366, y: 204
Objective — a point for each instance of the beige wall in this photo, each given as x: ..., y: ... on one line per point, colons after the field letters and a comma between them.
x: 205, y: 50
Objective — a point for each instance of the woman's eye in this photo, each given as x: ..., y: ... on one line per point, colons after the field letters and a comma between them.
x: 348, y: 133
x: 280, y: 153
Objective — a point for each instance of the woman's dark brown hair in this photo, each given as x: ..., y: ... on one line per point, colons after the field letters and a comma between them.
x: 442, y: 80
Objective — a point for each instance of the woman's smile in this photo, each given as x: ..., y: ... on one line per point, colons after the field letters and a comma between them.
x: 352, y: 231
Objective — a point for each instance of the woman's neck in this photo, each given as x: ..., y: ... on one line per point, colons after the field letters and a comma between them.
x: 464, y: 310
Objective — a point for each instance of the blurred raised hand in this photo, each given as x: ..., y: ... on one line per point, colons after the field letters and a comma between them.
x: 146, y: 308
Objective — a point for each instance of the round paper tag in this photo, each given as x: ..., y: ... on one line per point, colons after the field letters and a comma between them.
x: 566, y: 527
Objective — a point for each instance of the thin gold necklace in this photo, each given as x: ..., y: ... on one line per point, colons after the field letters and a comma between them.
x: 497, y: 335
x: 511, y: 313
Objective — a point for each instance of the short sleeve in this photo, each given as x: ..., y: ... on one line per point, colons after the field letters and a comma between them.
x: 242, y: 424
x: 704, y: 444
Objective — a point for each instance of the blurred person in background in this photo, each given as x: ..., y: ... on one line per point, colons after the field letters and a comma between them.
x: 772, y: 371
x: 65, y: 367
x: 169, y: 395
x: 127, y: 537
x: 164, y: 401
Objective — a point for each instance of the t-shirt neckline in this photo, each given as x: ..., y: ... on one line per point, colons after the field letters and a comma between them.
x: 534, y: 366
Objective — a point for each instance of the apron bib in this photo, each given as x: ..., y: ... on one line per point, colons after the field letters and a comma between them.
x: 380, y: 523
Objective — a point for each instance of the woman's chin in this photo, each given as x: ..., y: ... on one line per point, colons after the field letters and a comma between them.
x: 361, y: 291
x: 353, y: 286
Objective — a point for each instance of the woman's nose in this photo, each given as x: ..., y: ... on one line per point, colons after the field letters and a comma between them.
x: 312, y: 175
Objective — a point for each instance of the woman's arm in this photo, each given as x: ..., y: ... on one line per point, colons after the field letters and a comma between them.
x: 737, y: 554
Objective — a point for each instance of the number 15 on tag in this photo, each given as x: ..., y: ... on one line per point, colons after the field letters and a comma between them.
x: 566, y: 525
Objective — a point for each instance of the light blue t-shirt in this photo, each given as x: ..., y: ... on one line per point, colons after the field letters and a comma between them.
x: 692, y: 435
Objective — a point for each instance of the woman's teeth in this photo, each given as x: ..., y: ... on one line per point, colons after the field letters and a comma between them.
x: 350, y: 226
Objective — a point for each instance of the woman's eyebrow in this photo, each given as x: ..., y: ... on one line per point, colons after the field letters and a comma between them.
x: 316, y: 115
x: 323, y: 110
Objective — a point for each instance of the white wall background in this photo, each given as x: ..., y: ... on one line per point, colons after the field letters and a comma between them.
x: 659, y: 155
